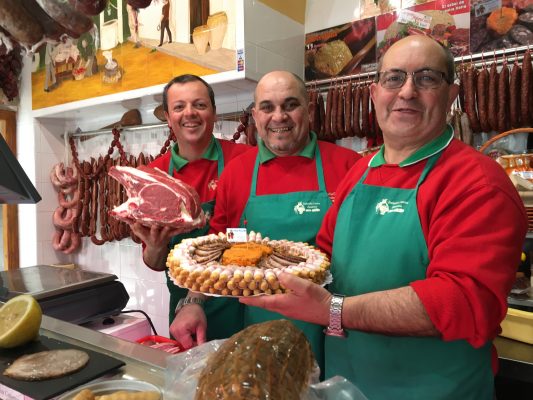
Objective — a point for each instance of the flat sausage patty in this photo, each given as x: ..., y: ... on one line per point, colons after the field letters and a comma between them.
x: 47, y: 364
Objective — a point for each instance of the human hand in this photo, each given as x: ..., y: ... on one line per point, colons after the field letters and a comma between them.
x: 307, y: 301
x: 189, y: 324
x: 154, y: 236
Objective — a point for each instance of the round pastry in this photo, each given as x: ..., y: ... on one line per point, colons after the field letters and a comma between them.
x: 212, y: 265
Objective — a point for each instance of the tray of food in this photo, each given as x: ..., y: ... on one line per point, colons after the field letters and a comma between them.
x: 215, y: 266
x: 119, y: 389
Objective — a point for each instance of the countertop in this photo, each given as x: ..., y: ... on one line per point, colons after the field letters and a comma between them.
x: 516, y: 359
x: 142, y: 362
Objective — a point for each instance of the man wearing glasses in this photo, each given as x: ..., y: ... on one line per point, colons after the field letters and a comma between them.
x: 425, y: 238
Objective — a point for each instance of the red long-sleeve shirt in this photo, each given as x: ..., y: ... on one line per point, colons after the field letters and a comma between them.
x: 474, y: 224
x: 276, y: 176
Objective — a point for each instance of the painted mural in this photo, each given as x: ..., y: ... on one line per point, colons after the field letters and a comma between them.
x: 130, y: 48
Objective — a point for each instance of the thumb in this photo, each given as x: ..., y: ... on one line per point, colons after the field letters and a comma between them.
x: 294, y: 283
x: 200, y: 335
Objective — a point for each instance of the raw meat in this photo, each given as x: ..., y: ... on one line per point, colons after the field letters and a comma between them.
x: 156, y: 198
x: 47, y: 364
x: 271, y: 360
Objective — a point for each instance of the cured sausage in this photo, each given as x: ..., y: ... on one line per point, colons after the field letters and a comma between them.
x: 85, y: 213
x: 314, y: 121
x: 94, y: 200
x: 63, y: 218
x: 20, y: 24
x: 72, y: 203
x: 503, y: 99
x: 365, y: 112
x: 64, y: 14
x: 514, y: 93
x: 75, y: 241
x: 89, y: 7
x: 348, y: 110
x: 334, y: 104
x: 339, y: 132
x: 327, y: 123
x: 481, y: 95
x: 470, y: 99
x: 356, y: 112
x: 462, y: 85
x: 525, y: 90
x: 322, y: 114
x: 492, y: 103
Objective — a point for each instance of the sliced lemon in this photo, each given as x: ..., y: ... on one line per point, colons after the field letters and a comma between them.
x: 20, y: 320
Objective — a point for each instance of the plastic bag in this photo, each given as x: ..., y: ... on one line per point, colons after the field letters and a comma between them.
x: 184, y: 369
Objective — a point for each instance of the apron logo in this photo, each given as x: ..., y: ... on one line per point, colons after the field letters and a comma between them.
x: 302, y: 207
x: 386, y: 206
x: 212, y: 185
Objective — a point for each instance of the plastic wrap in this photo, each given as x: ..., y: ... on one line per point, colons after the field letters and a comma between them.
x: 248, y: 367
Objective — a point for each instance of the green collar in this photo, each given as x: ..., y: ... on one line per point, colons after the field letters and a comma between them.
x: 435, y: 146
x: 209, y: 154
x: 308, y: 151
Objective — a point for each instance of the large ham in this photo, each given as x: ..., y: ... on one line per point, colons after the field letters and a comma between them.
x: 156, y: 198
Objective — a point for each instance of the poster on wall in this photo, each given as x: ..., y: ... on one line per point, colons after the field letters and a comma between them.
x: 447, y: 21
x: 500, y: 24
x: 341, y: 50
x: 135, y: 44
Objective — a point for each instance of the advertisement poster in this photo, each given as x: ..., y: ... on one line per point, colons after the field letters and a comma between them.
x: 447, y: 21
x: 500, y: 24
x: 342, y: 50
x: 130, y: 48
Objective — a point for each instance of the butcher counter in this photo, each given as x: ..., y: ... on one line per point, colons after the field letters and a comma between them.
x: 142, y: 363
x: 147, y: 364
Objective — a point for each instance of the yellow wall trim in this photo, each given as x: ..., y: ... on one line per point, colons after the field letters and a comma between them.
x: 294, y: 9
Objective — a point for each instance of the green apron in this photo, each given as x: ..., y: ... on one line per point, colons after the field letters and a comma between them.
x: 224, y: 315
x: 295, y: 216
x: 378, y: 245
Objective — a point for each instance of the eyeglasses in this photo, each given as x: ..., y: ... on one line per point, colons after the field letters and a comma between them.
x: 423, y: 79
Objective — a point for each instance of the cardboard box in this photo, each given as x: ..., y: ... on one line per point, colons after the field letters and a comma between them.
x: 518, y: 325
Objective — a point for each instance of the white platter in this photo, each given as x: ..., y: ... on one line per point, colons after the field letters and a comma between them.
x: 107, y: 387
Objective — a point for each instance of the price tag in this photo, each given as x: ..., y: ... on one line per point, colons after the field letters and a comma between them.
x: 417, y: 19
x: 236, y: 235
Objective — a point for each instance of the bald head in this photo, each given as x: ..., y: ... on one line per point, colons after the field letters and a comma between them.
x: 419, y: 43
x: 274, y: 77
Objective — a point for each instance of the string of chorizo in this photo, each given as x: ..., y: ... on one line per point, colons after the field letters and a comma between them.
x: 109, y: 184
x: 365, y: 112
x: 356, y: 126
x: 481, y: 95
x: 339, y: 131
x: 334, y: 104
x: 329, y: 105
x: 525, y: 90
x: 348, y: 110
x: 84, y: 223
x: 322, y: 113
x: 493, y: 97
x: 514, y: 93
x: 470, y: 99
x: 503, y: 99
x: 99, y: 215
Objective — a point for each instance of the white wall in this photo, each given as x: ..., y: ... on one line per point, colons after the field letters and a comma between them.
x: 321, y: 14
x: 273, y: 41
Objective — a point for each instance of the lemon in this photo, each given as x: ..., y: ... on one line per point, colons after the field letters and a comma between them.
x: 20, y: 320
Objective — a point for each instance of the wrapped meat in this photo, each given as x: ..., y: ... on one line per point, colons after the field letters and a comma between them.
x: 271, y: 360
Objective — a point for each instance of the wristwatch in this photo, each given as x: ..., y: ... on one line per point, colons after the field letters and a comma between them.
x: 188, y: 300
x: 335, y: 317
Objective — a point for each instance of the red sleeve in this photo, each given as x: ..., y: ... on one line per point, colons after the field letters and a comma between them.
x: 474, y: 249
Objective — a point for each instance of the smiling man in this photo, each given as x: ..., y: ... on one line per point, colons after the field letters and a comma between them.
x: 282, y: 188
x: 197, y: 159
x: 425, y: 238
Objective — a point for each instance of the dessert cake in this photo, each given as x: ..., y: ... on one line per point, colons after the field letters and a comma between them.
x: 212, y: 265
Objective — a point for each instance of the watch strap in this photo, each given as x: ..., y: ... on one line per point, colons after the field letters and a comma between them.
x: 188, y: 300
x: 335, y: 317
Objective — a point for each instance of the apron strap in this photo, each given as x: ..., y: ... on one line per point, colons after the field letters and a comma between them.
x: 428, y: 167
x: 319, y: 173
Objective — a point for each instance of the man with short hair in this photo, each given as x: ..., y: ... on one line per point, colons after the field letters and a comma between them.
x: 425, y: 237
x: 261, y: 188
x: 197, y: 159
